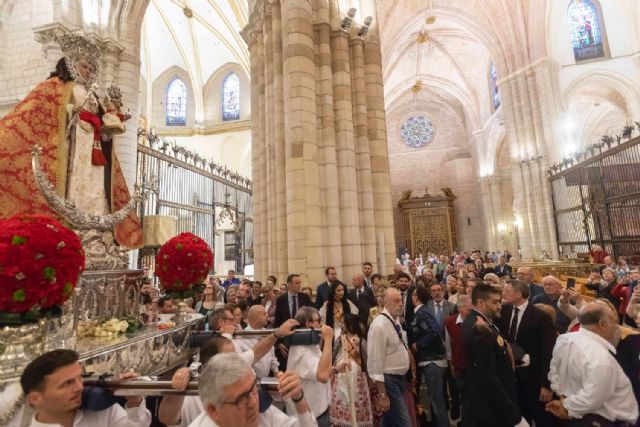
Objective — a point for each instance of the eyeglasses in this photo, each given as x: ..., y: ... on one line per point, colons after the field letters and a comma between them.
x: 243, y: 400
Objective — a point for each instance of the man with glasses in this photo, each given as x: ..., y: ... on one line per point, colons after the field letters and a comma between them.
x: 388, y: 361
x: 525, y: 274
x: 229, y: 391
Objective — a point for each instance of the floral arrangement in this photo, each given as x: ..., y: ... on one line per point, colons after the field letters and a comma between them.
x: 40, y: 263
x: 183, y: 263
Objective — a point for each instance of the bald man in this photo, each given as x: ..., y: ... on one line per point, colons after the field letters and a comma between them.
x: 526, y: 275
x: 362, y: 296
x: 584, y: 372
x: 257, y: 320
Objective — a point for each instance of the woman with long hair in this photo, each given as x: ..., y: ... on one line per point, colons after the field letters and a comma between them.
x: 336, y: 307
x: 207, y: 301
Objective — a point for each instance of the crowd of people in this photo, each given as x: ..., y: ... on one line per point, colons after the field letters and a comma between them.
x: 459, y: 340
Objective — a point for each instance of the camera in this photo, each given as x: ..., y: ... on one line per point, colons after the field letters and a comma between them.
x: 303, y: 336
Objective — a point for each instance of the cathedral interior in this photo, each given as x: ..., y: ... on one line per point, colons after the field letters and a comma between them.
x: 299, y: 134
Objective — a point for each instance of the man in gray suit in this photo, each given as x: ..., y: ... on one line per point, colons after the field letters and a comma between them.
x: 439, y: 307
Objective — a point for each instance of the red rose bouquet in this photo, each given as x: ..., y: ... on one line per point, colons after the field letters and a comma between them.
x: 40, y: 263
x: 183, y: 263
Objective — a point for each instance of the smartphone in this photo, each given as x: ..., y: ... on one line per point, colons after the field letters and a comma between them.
x: 571, y: 283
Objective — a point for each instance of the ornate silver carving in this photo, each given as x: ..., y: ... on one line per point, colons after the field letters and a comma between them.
x: 102, y: 252
x: 69, y: 211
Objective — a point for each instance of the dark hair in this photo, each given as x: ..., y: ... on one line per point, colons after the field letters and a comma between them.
x: 216, y: 316
x: 257, y: 282
x: 422, y: 294
x: 402, y: 275
x: 326, y: 270
x: 61, y: 71
x: 212, y: 347
x: 423, y: 281
x: 519, y: 286
x: 273, y: 279
x: 163, y: 299
x: 352, y: 325
x: 367, y: 263
x: 482, y: 291
x: 34, y: 374
x: 375, y: 277
x: 231, y: 271
x: 346, y: 309
x: 291, y: 277
x: 436, y: 284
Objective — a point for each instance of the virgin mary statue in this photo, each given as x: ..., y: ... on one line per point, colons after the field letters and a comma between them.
x: 63, y: 115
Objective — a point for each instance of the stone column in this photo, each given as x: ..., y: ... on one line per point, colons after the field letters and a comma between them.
x: 48, y: 37
x: 319, y: 143
x: 531, y: 110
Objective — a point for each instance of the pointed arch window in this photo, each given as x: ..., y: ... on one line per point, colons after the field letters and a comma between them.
x: 493, y: 86
x: 231, y: 97
x: 587, y: 29
x: 176, y: 103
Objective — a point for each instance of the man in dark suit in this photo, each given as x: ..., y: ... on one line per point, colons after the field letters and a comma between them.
x: 502, y: 269
x: 288, y: 303
x: 526, y: 275
x: 367, y: 271
x: 403, y: 282
x: 362, y: 296
x: 489, y: 370
x: 323, y: 289
x: 532, y: 330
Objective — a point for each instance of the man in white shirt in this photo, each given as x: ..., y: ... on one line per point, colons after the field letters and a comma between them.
x: 52, y: 385
x: 388, y: 361
x: 257, y: 320
x: 228, y: 389
x: 177, y: 410
x: 585, y: 374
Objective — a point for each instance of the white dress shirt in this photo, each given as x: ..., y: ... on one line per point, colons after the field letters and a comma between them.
x: 304, y: 360
x: 387, y: 355
x: 114, y: 416
x: 272, y: 417
x: 191, y: 409
x: 263, y: 366
x: 584, y: 369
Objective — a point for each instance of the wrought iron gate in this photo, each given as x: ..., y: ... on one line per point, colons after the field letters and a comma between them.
x: 182, y: 184
x: 597, y: 199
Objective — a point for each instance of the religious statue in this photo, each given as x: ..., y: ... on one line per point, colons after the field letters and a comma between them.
x: 66, y: 117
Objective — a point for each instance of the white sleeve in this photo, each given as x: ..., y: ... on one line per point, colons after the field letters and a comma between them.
x: 274, y: 417
x: 248, y: 357
x: 138, y: 416
x: 376, y: 350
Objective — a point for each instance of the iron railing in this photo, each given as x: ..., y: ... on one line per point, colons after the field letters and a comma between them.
x: 195, y: 190
x: 596, y: 198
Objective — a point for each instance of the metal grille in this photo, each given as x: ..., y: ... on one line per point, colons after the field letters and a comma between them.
x: 597, y: 201
x: 179, y: 183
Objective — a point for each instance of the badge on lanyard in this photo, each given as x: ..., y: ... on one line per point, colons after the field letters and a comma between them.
x: 500, y: 341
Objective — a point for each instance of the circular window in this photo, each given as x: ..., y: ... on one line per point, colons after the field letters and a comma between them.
x: 417, y: 132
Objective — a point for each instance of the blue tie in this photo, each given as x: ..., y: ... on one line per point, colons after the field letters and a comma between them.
x: 438, y: 314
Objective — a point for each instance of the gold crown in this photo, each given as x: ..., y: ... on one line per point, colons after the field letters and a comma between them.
x: 76, y: 45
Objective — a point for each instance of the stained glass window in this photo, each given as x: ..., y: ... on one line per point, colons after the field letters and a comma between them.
x: 586, y: 34
x: 417, y: 132
x: 493, y: 83
x: 231, y: 97
x: 176, y: 103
